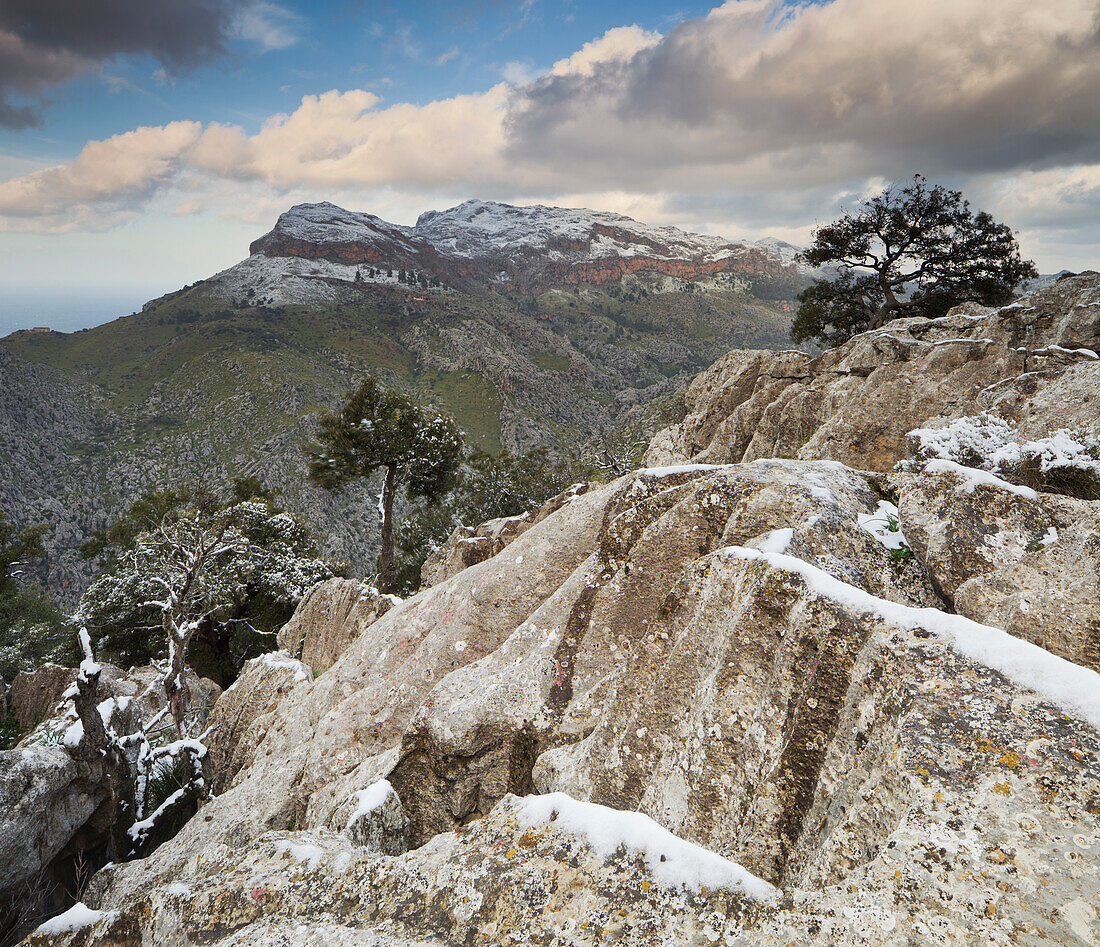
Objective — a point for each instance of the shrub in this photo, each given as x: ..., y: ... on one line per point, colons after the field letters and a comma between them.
x: 1065, y: 462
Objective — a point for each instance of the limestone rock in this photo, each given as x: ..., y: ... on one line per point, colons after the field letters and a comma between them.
x: 727, y: 651
x: 332, y: 615
x: 239, y: 718
x: 34, y: 695
x: 469, y: 545
x: 1031, y: 362
x: 944, y: 814
x: 46, y: 798
x: 378, y: 822
x: 960, y: 529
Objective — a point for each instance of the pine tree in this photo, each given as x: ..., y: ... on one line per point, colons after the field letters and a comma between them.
x: 419, y: 451
x: 912, y: 251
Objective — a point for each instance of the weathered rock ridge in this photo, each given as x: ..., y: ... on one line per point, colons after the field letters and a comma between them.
x: 730, y: 652
x: 1034, y: 362
x: 756, y: 700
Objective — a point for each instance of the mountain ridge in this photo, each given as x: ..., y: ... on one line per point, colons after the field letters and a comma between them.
x: 526, y: 248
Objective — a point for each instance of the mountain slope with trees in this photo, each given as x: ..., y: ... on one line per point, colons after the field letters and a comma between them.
x: 214, y: 382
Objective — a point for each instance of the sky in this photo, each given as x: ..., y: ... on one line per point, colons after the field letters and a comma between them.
x: 144, y: 145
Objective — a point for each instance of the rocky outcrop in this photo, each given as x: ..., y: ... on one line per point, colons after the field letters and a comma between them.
x: 34, y: 695
x: 469, y: 545
x: 242, y: 714
x: 54, y: 807
x: 1033, y: 362
x: 729, y: 652
x: 330, y: 617
x: 1028, y: 565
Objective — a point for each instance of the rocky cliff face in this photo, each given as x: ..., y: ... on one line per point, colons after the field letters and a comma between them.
x: 529, y: 248
x: 1034, y: 362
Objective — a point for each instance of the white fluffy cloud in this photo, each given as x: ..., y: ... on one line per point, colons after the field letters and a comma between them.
x: 758, y: 116
x: 122, y: 168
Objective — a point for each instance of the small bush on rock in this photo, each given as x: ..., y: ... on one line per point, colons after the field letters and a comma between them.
x: 1065, y: 462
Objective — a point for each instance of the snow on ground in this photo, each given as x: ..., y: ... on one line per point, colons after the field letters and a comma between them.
x: 291, y: 280
x: 281, y: 659
x: 680, y: 469
x: 995, y: 446
x: 673, y: 861
x: 1070, y: 686
x: 973, y: 478
x: 308, y: 854
x: 482, y: 228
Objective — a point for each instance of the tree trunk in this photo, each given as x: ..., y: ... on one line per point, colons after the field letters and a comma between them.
x: 175, y: 682
x: 387, y: 579
x: 103, y: 753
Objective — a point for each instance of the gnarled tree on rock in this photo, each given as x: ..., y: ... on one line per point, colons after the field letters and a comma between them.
x: 910, y: 251
x: 418, y: 450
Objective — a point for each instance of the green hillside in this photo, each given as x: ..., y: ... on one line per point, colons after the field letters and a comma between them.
x: 193, y: 389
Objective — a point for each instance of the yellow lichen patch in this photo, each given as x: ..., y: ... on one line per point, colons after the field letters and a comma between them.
x: 1003, y: 788
x: 996, y: 856
x: 529, y: 839
x: 646, y: 886
x: 1009, y: 759
x: 985, y: 746
x: 923, y: 773
x: 511, y: 853
x: 939, y: 797
x: 991, y: 910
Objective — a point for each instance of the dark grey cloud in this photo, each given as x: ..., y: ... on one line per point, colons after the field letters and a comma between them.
x: 46, y: 42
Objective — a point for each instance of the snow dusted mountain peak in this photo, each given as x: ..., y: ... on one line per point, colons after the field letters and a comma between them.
x: 529, y: 247
x: 329, y: 223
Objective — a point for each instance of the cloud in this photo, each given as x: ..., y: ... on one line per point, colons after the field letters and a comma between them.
x: 517, y: 73
x: 760, y: 90
x: 342, y: 139
x: 446, y: 57
x: 46, y: 42
x: 109, y: 173
x: 756, y: 117
x: 267, y: 24
x: 617, y: 46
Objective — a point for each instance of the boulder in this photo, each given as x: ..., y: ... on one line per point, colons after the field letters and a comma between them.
x: 469, y: 545
x: 46, y: 799
x: 331, y: 616
x: 34, y: 695
x: 377, y: 822
x: 960, y: 527
x: 1025, y: 562
x: 1033, y: 361
x: 239, y: 719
